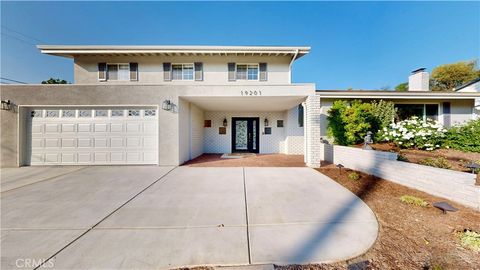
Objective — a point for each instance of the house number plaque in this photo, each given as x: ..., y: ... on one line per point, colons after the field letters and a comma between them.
x: 251, y: 93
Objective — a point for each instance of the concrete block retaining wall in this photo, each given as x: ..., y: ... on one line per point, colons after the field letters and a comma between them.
x: 456, y: 186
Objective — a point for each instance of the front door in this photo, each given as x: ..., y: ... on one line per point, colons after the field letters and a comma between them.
x: 245, y: 134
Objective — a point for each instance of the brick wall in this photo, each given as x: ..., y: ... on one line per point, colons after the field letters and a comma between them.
x: 456, y: 186
x: 312, y: 122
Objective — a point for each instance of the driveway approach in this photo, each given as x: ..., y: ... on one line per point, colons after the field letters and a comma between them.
x: 163, y: 217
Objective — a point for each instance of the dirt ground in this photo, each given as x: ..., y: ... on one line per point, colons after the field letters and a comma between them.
x: 410, y: 237
x: 258, y: 160
x: 456, y: 159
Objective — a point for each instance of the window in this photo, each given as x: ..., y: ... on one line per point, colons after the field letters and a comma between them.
x: 150, y: 112
x: 117, y: 113
x: 84, y: 113
x: 423, y: 111
x: 182, y: 72
x: 68, y: 113
x: 118, y: 72
x: 51, y: 113
x: 247, y: 72
x: 101, y: 113
x: 300, y: 115
x: 133, y: 112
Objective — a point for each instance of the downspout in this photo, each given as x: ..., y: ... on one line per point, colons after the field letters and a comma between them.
x: 290, y: 66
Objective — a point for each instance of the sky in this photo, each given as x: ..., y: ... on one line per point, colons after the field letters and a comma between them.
x: 359, y: 45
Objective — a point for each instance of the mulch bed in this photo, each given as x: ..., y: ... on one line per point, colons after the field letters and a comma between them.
x: 457, y: 159
x: 410, y: 237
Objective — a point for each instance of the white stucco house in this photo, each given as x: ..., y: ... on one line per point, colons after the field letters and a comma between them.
x: 166, y: 105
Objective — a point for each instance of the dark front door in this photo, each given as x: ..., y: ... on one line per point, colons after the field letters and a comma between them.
x: 245, y: 134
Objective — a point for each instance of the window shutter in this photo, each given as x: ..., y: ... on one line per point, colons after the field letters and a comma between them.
x: 102, y: 71
x: 198, y: 67
x: 133, y: 71
x: 446, y: 115
x: 263, y: 72
x: 167, y: 71
x: 231, y: 71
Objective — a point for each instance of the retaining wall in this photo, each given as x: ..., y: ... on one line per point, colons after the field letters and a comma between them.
x: 456, y: 186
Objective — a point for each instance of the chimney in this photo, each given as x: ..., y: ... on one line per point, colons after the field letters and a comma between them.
x: 419, y: 80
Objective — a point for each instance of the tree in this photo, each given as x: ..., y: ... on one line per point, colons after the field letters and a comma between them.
x: 402, y: 87
x: 54, y: 81
x: 447, y: 77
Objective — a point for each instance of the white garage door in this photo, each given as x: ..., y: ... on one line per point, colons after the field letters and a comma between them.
x: 99, y: 136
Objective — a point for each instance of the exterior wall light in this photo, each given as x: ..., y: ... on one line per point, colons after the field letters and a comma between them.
x: 266, y: 122
x: 6, y: 105
x: 225, y: 122
x: 167, y: 105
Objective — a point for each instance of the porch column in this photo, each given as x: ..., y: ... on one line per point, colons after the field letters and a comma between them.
x: 312, y: 123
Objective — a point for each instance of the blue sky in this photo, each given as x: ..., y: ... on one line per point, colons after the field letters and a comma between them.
x: 362, y: 45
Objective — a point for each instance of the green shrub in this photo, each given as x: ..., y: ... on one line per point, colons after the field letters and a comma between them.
x: 353, y: 176
x: 438, y: 162
x: 464, y: 137
x: 415, y: 133
x: 384, y: 112
x: 470, y: 239
x: 413, y: 200
x: 401, y: 157
x: 348, y: 123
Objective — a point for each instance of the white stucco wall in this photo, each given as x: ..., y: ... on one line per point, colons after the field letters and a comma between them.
x: 150, y: 68
x: 222, y: 143
x: 196, y: 131
x: 190, y: 131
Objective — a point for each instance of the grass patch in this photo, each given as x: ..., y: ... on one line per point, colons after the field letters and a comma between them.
x: 353, y: 176
x: 439, y: 162
x: 470, y: 239
x: 413, y: 200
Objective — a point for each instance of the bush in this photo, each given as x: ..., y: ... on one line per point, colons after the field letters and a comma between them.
x: 384, y: 112
x: 413, y: 200
x: 348, y: 123
x: 439, y: 162
x: 353, y: 176
x: 471, y: 240
x: 414, y: 133
x: 464, y: 137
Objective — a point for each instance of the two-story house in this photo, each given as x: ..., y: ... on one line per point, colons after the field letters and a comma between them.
x: 166, y: 105
x: 160, y: 105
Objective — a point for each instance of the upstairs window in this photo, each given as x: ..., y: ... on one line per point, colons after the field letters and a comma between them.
x: 247, y: 72
x: 182, y: 72
x: 118, y: 72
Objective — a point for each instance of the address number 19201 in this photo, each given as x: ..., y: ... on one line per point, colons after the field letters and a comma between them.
x: 251, y: 93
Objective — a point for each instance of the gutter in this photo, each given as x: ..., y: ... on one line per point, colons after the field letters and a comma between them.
x: 290, y: 66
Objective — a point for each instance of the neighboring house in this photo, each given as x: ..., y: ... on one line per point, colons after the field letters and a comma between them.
x: 165, y: 105
x: 472, y: 86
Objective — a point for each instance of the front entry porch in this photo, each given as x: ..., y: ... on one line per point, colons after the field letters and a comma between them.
x: 257, y: 160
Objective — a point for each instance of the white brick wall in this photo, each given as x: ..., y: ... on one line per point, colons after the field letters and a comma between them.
x: 294, y: 139
x: 312, y: 123
x: 217, y: 143
x: 456, y: 186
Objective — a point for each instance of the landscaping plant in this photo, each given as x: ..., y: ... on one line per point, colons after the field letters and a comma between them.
x: 353, y: 176
x: 438, y: 162
x: 415, y: 133
x: 349, y: 122
x: 413, y: 200
x: 465, y: 137
x: 471, y: 240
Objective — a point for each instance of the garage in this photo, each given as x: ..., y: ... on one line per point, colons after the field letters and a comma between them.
x: 91, y: 135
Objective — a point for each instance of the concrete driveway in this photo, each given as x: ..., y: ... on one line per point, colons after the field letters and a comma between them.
x: 163, y: 217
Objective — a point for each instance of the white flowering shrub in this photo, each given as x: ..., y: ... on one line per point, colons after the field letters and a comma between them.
x: 415, y: 133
